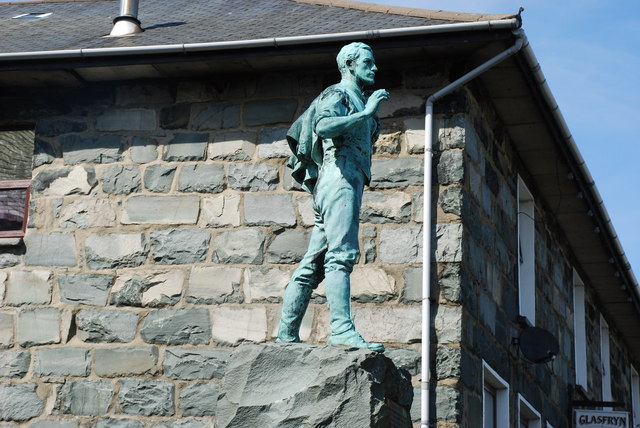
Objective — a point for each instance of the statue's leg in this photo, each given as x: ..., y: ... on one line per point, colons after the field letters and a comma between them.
x: 340, y: 207
x: 304, y: 280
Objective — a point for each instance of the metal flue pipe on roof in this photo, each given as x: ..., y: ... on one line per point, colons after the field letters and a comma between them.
x: 127, y: 23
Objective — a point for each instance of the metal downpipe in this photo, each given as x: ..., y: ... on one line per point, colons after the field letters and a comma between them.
x: 426, y: 228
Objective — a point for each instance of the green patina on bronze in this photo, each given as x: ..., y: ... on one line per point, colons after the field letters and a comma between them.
x: 331, y: 143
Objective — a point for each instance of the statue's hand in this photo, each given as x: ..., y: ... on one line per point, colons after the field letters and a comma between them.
x: 373, y: 103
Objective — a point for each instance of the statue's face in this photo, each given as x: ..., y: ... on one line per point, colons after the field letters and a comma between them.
x: 364, y: 68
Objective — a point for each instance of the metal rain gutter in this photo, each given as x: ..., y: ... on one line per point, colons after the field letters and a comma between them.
x: 185, y: 48
x: 554, y: 109
x: 426, y: 221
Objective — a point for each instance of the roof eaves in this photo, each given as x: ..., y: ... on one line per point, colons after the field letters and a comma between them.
x: 407, y: 11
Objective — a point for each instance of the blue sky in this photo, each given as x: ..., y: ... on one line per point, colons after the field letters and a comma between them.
x: 590, y: 53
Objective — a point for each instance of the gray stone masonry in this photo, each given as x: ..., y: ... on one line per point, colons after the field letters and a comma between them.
x: 164, y: 227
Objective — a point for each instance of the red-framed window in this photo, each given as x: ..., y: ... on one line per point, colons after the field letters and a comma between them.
x: 14, y: 207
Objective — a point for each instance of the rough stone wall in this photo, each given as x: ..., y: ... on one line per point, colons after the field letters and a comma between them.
x: 488, y: 281
x: 164, y: 227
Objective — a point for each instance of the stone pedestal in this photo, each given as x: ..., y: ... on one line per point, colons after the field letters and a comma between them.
x: 296, y: 385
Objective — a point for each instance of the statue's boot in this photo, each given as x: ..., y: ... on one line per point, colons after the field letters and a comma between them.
x: 294, y: 305
x: 343, y: 331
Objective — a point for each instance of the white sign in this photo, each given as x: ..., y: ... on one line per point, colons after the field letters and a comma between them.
x: 601, y: 419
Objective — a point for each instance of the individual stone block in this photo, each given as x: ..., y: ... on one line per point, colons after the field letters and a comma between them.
x: 177, y: 327
x: 146, y: 397
x: 451, y: 167
x: 53, y: 127
x: 38, y: 326
x: 179, y: 246
x: 448, y: 403
x: 288, y: 182
x: 221, y: 211
x: 233, y: 146
x: 450, y: 282
x: 28, y: 287
x: 412, y: 291
x: 273, y: 143
x: 54, y: 423
x: 88, y: 212
x: 388, y: 142
x: 305, y: 210
x: 189, y: 364
x: 14, y: 364
x: 385, y: 208
x: 266, y: 112
x: 143, y: 149
x: 213, y: 284
x: 201, y: 178
x: 414, y: 135
x: 401, y: 244
x: 380, y: 323
x: 418, y: 207
x: 302, y: 385
x: 61, y: 362
x: 186, y: 147
x: 269, y: 209
x: 161, y: 210
x: 241, y: 246
x: 86, y: 397
x: 408, y: 359
x: 116, y: 250
x: 448, y: 362
x: 448, y: 324
x: 198, y: 399
x: 78, y: 180
x: 115, y: 362
x: 288, y: 247
x: 121, y: 179
x: 254, y: 177
x: 450, y: 199
x: 148, y: 288
x: 369, y: 247
x: 50, y: 249
x: 371, y: 284
x: 215, y: 116
x: 265, y: 283
x: 19, y: 402
x: 131, y: 119
x: 84, y: 289
x: 449, y: 242
x: 396, y: 172
x: 106, y: 325
x: 159, y: 178
x: 118, y: 423
x: 6, y: 330
x: 8, y: 260
x: 233, y: 325
x: 175, y: 116
x: 91, y: 149
x: 44, y: 153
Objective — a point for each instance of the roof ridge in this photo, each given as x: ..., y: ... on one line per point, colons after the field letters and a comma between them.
x: 408, y: 11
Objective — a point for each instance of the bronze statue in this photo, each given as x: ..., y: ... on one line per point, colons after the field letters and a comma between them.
x: 331, y: 143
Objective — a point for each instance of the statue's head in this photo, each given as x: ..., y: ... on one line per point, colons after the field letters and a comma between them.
x: 356, y: 62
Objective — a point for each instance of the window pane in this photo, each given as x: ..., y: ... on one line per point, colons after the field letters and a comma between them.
x: 12, y: 209
x: 489, y: 407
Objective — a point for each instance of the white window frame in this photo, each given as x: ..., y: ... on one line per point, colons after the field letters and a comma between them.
x: 549, y: 425
x: 529, y: 412
x: 605, y: 359
x: 501, y: 387
x: 526, y: 253
x: 635, y: 398
x: 579, y: 332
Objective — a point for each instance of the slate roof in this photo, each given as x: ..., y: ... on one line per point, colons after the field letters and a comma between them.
x: 83, y: 24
